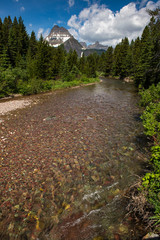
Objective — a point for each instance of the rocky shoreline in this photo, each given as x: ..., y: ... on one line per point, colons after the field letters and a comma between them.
x: 14, y: 104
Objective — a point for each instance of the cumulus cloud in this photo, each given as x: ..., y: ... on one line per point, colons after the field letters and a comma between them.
x: 71, y: 3
x: 143, y: 3
x: 22, y: 9
x: 43, y: 32
x: 99, y: 23
x: 73, y: 32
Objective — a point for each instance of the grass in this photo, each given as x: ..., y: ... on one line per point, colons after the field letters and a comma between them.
x: 59, y: 84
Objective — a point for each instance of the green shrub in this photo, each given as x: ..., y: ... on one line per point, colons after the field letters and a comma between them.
x: 150, y: 98
x: 47, y: 85
x: 151, y: 120
x: 155, y: 159
x: 152, y: 94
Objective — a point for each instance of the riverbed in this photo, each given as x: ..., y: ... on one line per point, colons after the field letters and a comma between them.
x: 67, y: 159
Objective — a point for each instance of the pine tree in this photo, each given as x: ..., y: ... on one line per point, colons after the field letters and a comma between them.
x: 4, y: 60
x: 32, y: 49
x: 154, y: 26
x: 7, y: 24
x: 123, y: 57
x: 64, y: 70
x: 1, y: 36
x: 72, y: 59
x: 81, y: 63
x: 116, y: 60
x: 13, y: 42
x: 108, y: 61
x: 90, y: 68
x: 143, y: 75
x: 58, y: 57
x: 23, y: 39
x: 31, y: 55
x: 42, y: 59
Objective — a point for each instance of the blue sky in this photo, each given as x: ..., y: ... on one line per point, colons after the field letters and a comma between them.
x: 107, y: 21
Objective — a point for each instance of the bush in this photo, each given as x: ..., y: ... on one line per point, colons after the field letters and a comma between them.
x: 48, y: 85
x: 151, y: 120
x: 152, y: 94
x: 150, y: 98
x: 33, y: 86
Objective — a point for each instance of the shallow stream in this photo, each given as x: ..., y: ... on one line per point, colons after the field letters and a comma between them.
x: 82, y: 148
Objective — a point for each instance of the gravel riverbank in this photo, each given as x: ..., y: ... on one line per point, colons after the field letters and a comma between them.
x: 11, y: 105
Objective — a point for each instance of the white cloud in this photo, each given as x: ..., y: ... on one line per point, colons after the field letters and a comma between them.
x: 40, y: 32
x: 99, y: 23
x: 43, y: 32
x: 73, y: 32
x: 22, y: 9
x: 59, y: 21
x: 71, y: 3
x: 143, y: 3
x: 30, y: 25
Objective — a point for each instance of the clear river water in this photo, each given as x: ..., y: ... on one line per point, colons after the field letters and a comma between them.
x: 76, y: 152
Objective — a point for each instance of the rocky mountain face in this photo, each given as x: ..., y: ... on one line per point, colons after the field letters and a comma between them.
x: 98, y: 46
x: 73, y: 44
x: 60, y: 35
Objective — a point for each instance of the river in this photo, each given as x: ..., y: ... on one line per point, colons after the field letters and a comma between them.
x: 68, y: 158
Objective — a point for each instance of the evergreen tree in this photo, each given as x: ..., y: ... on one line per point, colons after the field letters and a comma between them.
x: 108, y: 61
x: 136, y: 52
x: 4, y: 59
x: 58, y: 57
x: 7, y: 23
x: 143, y: 75
x: 64, y: 70
x: 32, y: 49
x: 81, y: 63
x: 75, y: 71
x: 101, y: 64
x: 90, y: 68
x: 116, y: 60
x: 129, y: 61
x: 123, y: 57
x: 13, y: 42
x: 154, y: 26
x: 23, y: 39
x: 42, y: 59
x: 1, y: 36
x: 31, y: 55
x: 72, y: 59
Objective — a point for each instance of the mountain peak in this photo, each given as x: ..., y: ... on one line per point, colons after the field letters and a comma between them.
x: 58, y: 35
x: 97, y: 45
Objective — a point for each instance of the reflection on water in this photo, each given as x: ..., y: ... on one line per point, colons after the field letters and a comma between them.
x: 85, y: 143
